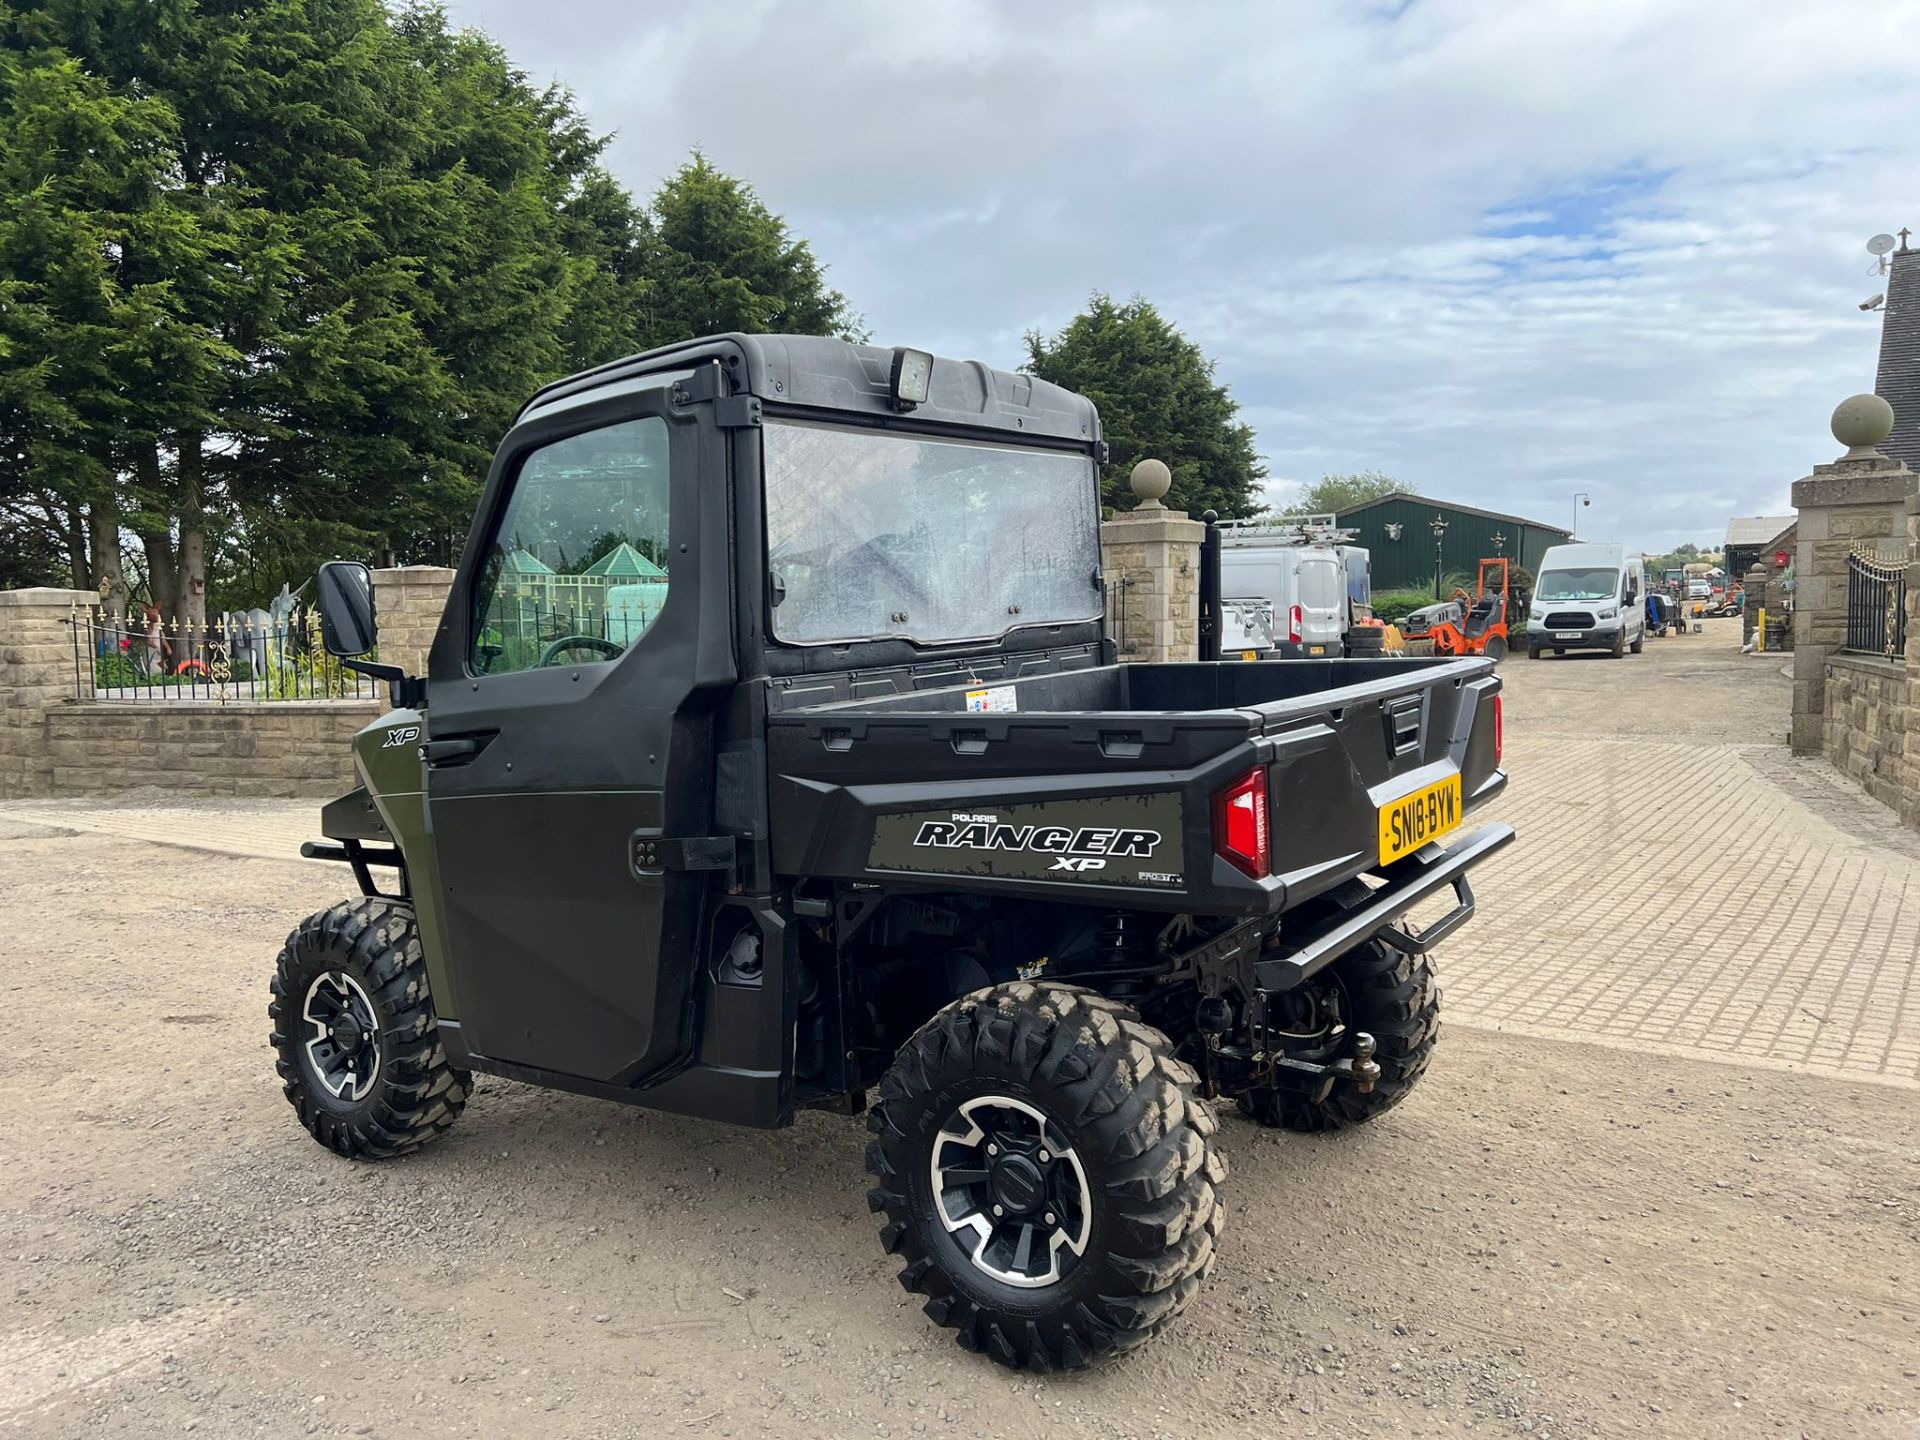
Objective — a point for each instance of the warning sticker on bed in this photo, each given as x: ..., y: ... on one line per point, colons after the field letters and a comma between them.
x: 994, y: 697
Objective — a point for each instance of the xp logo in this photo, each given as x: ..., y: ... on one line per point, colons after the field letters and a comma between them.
x: 400, y: 735
x: 1079, y: 862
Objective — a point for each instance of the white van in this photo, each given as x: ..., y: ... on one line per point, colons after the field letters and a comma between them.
x: 1283, y: 601
x: 1588, y: 597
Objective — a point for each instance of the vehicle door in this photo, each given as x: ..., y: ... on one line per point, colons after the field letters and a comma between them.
x: 1633, y: 605
x: 570, y: 724
x: 1322, y: 588
x: 1247, y: 584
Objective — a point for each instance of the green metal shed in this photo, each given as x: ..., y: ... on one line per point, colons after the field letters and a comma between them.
x: 1397, y: 531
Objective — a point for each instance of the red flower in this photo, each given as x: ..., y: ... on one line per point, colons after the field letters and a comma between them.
x: 126, y: 642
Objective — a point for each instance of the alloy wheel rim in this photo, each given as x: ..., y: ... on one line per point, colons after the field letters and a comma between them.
x: 1011, y: 1191
x: 343, y: 1044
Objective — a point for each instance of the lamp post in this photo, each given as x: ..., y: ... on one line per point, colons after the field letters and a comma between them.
x: 1439, y: 566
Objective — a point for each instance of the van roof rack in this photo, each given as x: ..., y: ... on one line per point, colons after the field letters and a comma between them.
x: 1287, y: 530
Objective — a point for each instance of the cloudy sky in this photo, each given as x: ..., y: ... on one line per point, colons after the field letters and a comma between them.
x: 1503, y: 251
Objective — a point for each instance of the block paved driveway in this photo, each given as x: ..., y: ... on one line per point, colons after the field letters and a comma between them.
x: 1681, y: 884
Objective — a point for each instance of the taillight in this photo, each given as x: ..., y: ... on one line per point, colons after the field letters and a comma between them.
x: 1499, y: 728
x: 1240, y: 823
x: 1294, y: 617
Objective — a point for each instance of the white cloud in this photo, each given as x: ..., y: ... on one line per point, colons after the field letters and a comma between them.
x: 1504, y: 252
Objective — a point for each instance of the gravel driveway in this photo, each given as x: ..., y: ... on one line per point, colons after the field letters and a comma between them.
x: 1550, y: 1238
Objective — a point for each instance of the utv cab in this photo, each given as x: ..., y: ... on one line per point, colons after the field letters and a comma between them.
x: 771, y: 755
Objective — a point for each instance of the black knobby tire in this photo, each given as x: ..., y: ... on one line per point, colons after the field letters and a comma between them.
x: 1393, y: 997
x: 1366, y: 640
x: 1132, y: 1116
x: 367, y: 950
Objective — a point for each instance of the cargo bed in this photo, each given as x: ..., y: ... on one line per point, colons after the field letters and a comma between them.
x: 1137, y: 748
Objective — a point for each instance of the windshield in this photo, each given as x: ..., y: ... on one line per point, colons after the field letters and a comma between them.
x: 872, y: 533
x: 1585, y: 583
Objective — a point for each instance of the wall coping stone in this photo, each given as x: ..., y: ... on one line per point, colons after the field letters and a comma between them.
x: 216, y: 707
x: 1875, y: 481
x: 1156, y: 525
x: 1870, y: 664
x: 49, y: 596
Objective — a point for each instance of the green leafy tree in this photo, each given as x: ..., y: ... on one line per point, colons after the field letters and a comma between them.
x: 276, y: 274
x: 1331, y: 494
x: 1158, y: 398
x: 723, y: 261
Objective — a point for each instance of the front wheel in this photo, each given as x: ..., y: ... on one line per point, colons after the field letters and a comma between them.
x: 1639, y: 644
x: 1496, y: 649
x: 355, y: 1037
x: 1048, y: 1175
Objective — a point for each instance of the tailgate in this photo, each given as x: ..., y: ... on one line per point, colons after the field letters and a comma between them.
x: 1358, y: 784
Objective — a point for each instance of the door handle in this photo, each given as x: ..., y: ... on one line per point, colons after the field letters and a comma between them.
x: 464, y: 747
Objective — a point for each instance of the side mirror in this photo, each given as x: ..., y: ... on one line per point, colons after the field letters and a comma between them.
x: 346, y: 608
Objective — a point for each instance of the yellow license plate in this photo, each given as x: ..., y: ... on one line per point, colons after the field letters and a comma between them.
x: 1411, y: 821
x: 1249, y: 654
x: 1317, y: 650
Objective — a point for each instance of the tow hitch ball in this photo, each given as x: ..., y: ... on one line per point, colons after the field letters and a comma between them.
x: 1363, y: 1070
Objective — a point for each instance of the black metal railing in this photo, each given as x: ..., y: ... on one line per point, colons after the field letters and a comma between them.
x: 1877, y: 606
x: 226, y: 657
x: 1117, y: 631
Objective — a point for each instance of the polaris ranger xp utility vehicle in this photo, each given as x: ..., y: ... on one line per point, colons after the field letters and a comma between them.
x: 772, y: 755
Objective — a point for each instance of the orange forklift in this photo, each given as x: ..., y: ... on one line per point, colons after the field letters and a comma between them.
x: 1477, y: 624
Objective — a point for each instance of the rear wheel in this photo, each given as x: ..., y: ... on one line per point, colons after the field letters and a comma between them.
x: 1390, y: 995
x: 355, y: 1037
x: 1048, y: 1175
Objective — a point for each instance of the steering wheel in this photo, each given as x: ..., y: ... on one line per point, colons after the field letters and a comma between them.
x: 599, y: 649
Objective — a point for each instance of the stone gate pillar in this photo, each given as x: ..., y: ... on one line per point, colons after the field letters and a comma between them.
x: 1151, y: 558
x: 408, y: 601
x: 1755, y: 586
x: 1856, y: 501
x: 39, y: 668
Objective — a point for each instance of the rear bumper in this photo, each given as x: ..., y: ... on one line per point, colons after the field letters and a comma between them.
x: 1305, y: 650
x: 1412, y: 880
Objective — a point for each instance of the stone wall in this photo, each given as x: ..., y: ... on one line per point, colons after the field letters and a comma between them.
x: 1151, y: 556
x: 55, y: 738
x: 1870, y: 731
x: 1867, y: 707
x: 264, y: 749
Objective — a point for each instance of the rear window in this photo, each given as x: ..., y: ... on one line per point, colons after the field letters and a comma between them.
x: 1321, y: 584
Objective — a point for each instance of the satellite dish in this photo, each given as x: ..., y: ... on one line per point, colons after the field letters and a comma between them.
x: 1879, y: 244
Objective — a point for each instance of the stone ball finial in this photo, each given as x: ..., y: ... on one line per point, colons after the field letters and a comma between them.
x: 1861, y: 422
x: 1151, y: 479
